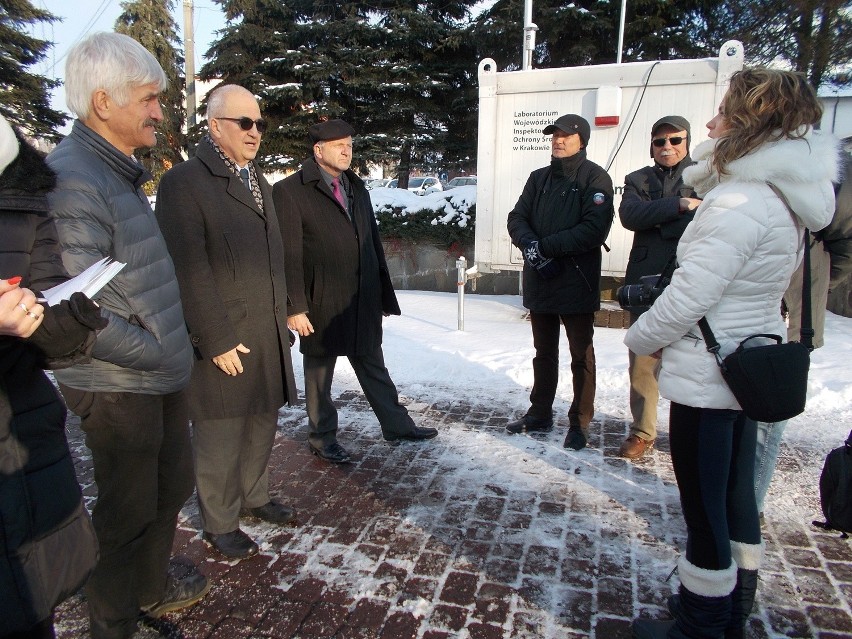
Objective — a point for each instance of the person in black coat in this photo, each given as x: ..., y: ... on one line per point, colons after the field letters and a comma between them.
x: 224, y: 239
x: 48, y: 546
x: 656, y: 205
x: 560, y: 223
x: 339, y: 287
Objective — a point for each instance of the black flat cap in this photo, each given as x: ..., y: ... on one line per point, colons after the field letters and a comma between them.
x: 330, y: 130
x: 571, y: 124
x: 679, y: 123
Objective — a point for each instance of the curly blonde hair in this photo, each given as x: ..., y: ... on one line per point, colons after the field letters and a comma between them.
x: 764, y: 105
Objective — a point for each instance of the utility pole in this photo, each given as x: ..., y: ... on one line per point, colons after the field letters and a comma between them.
x: 621, y: 31
x: 529, y: 37
x: 189, y: 62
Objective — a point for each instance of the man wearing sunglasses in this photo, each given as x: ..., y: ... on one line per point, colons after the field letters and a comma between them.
x: 340, y: 288
x: 217, y: 216
x: 656, y: 206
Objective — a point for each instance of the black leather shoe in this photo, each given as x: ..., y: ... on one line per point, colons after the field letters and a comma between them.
x: 530, y: 424
x: 235, y: 545
x: 273, y: 512
x: 333, y: 452
x: 415, y: 435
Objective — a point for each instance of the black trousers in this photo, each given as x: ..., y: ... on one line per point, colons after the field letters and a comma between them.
x: 579, y: 329
x: 713, y: 459
x: 42, y: 630
x: 378, y: 388
x: 143, y: 470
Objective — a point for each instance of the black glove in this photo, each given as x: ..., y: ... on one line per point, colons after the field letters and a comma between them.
x: 68, y: 328
x: 87, y: 312
x: 546, y: 267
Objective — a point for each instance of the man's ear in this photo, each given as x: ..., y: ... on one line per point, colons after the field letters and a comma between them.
x: 213, y: 127
x: 102, y: 104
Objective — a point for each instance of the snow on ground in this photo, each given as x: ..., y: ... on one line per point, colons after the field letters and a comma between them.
x: 431, y: 361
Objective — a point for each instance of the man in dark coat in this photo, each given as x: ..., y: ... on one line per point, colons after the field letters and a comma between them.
x: 339, y: 287
x: 656, y: 205
x: 219, y: 222
x: 560, y: 223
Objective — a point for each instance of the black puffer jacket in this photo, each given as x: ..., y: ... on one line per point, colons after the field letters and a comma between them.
x: 567, y: 206
x: 47, y: 544
x: 650, y: 207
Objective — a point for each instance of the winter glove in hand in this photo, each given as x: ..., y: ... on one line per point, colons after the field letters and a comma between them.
x: 87, y: 312
x: 67, y: 328
x: 545, y: 266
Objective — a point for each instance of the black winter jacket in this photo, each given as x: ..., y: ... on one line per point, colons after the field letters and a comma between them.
x: 47, y: 544
x: 567, y: 206
x: 336, y: 269
x: 650, y: 207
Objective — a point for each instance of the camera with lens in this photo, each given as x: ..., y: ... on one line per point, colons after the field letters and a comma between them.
x: 638, y: 298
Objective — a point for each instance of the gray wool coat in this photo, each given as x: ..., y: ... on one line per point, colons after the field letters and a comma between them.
x: 336, y: 267
x: 229, y: 260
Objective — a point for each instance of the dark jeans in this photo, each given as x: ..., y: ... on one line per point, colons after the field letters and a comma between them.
x: 713, y: 458
x: 579, y: 329
x: 143, y: 470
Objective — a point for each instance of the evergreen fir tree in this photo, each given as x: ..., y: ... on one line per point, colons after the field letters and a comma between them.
x: 586, y: 32
x: 392, y: 69
x: 24, y: 96
x: 150, y: 23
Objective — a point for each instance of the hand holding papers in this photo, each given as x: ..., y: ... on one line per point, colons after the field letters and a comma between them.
x: 89, y: 282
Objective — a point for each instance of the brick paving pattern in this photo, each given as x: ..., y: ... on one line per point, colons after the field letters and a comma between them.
x: 479, y: 535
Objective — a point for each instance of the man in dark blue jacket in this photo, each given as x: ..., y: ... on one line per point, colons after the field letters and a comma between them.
x: 560, y: 223
x: 656, y: 206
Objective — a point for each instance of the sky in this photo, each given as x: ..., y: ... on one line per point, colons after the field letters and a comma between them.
x: 82, y: 17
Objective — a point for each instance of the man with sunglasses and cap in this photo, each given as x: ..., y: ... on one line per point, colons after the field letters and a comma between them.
x: 340, y: 288
x: 219, y: 222
x: 560, y: 223
x: 656, y: 206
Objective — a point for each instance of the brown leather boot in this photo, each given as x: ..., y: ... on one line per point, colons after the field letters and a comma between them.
x: 635, y: 447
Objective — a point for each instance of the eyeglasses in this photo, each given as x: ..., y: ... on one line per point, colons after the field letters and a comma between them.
x: 658, y: 142
x: 247, y: 123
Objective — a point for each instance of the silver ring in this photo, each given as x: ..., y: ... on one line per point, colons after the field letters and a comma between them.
x: 33, y: 315
x: 23, y: 307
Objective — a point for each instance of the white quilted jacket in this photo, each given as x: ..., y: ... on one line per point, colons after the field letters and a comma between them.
x: 735, y: 260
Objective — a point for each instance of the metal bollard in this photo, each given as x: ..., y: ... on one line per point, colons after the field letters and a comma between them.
x: 461, y: 266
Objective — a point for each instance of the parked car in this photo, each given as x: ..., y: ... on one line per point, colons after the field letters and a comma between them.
x: 466, y: 180
x: 376, y: 183
x: 424, y: 185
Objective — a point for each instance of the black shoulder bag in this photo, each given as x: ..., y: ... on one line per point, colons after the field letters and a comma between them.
x: 770, y: 381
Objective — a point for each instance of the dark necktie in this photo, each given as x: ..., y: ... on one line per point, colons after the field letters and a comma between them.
x: 244, y: 174
x: 338, y: 195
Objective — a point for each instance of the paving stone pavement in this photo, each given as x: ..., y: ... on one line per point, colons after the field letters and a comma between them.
x: 478, y: 534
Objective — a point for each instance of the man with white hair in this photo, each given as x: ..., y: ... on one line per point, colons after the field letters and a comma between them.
x: 217, y: 216
x: 130, y: 397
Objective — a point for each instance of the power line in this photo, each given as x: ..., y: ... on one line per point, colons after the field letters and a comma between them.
x: 91, y: 23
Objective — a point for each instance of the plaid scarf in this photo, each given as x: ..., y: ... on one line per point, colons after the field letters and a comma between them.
x: 232, y: 166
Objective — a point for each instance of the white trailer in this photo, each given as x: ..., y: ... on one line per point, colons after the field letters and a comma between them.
x: 620, y: 101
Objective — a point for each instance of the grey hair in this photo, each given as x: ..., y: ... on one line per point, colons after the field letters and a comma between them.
x: 219, y: 96
x: 112, y: 62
